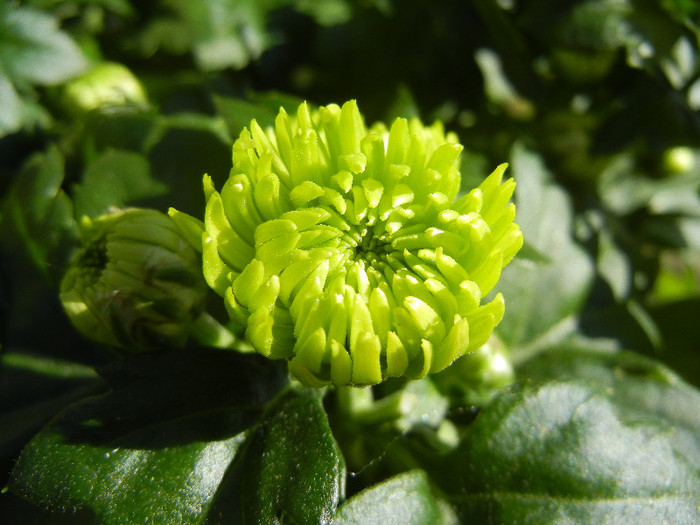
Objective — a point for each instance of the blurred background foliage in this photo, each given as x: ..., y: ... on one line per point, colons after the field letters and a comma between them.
x: 111, y: 102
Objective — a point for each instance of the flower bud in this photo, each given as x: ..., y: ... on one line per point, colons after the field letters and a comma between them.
x: 135, y: 283
x: 475, y: 378
x: 346, y: 251
x: 679, y: 160
x: 106, y: 85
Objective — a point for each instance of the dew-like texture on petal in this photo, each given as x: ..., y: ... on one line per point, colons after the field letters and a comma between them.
x: 347, y: 250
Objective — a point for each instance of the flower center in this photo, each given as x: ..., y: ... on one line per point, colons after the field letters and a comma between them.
x: 93, y: 260
x: 371, y: 247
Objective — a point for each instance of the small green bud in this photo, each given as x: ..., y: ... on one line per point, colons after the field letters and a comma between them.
x: 135, y: 283
x: 106, y: 85
x: 347, y: 251
x: 475, y: 378
x: 678, y: 160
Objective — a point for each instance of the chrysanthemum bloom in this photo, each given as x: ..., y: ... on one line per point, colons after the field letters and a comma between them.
x: 136, y: 283
x: 343, y: 249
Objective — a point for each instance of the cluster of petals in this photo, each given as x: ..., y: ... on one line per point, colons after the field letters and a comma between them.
x: 347, y: 251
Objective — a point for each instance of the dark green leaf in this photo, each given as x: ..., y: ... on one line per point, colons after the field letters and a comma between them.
x: 291, y: 470
x: 38, y: 214
x: 121, y: 128
x: 181, y: 151
x: 115, y: 178
x: 186, y: 435
x: 263, y: 107
x: 33, y: 389
x: 17, y: 511
x: 156, y: 446
x: 406, y: 499
x: 540, y: 296
x: 239, y: 112
x: 618, y: 444
x: 274, y: 100
x: 680, y: 333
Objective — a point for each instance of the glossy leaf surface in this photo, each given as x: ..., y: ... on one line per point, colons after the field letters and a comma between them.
x: 406, y: 499
x: 616, y: 444
x: 177, y: 446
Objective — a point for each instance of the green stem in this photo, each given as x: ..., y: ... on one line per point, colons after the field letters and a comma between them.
x: 209, y: 332
x: 351, y: 400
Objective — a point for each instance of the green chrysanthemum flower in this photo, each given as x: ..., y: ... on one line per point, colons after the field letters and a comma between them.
x: 136, y: 283
x: 343, y: 249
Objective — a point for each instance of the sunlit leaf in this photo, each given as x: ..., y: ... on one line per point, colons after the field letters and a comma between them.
x: 185, y: 436
x: 34, y: 50
x: 540, y: 295
x: 616, y: 441
x: 406, y: 499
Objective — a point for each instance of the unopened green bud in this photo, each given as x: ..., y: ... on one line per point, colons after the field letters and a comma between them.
x: 347, y: 251
x: 679, y: 160
x: 135, y: 283
x: 475, y: 378
x: 106, y: 85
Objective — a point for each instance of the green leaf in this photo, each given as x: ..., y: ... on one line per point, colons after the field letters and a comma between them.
x: 614, y: 266
x: 183, y: 148
x: 34, y: 388
x: 186, y: 436
x: 621, y: 189
x: 11, y: 114
x: 678, y: 277
x: 406, y: 499
x: 540, y: 296
x: 121, y: 128
x: 326, y: 12
x: 239, y: 112
x: 219, y: 33
x: 155, y: 446
x: 680, y: 333
x: 613, y: 440
x: 291, y: 470
x: 33, y: 50
x: 595, y: 24
x: 120, y: 7
x: 624, y: 191
x: 38, y: 214
x: 17, y: 511
x: 115, y: 178
x: 263, y: 107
